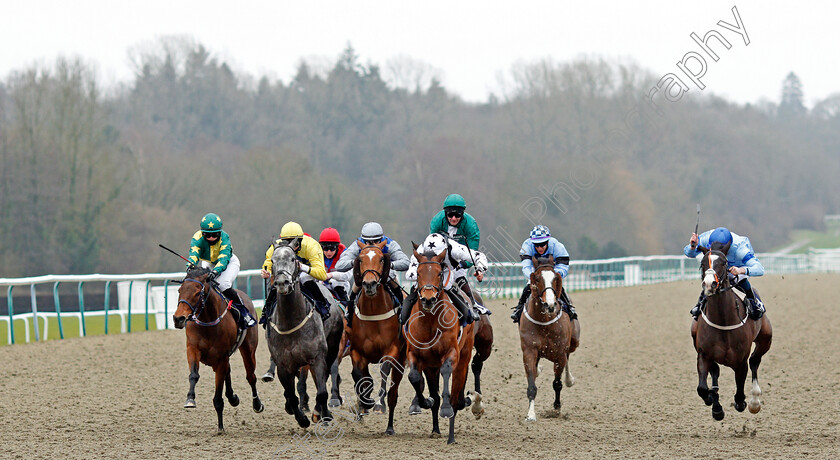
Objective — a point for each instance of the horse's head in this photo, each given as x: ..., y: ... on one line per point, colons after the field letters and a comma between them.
x: 192, y: 296
x: 372, y: 267
x: 714, y: 269
x: 285, y: 268
x: 545, y: 284
x: 429, y: 277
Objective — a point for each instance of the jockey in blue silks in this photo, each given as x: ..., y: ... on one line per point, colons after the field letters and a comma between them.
x: 541, y: 244
x: 741, y: 260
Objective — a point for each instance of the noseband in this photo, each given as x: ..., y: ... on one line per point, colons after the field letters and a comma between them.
x: 370, y: 270
x: 437, y: 288
x: 202, y: 297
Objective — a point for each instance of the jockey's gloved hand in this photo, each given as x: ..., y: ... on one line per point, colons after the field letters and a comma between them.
x: 304, y: 268
x: 211, y: 278
x: 463, y: 264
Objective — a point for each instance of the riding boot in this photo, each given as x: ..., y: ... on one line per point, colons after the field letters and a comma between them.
x: 395, y: 289
x: 695, y: 312
x: 517, y: 310
x: 755, y: 305
x: 245, y: 318
x: 321, y: 303
x: 407, y: 304
x: 464, y: 311
x: 567, y: 304
x: 468, y: 294
x: 268, y: 306
x: 351, y: 307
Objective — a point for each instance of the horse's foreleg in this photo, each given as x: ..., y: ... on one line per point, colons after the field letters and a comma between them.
x: 249, y: 359
x: 222, y: 373
x: 393, y: 391
x: 335, y: 392
x: 762, y: 344
x: 301, y: 389
x: 292, y: 408
x: 193, y: 361
x: 740, y: 378
x: 477, y: 365
x: 558, y: 383
x: 703, y: 384
x: 433, y: 380
x: 717, y: 409
x: 420, y: 401
x: 570, y: 379
x: 446, y: 409
x: 321, y: 372
x: 363, y: 383
x: 384, y: 370
x: 530, y: 360
x: 229, y: 394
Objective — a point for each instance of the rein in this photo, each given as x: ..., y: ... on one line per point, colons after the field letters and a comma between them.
x: 437, y: 288
x: 540, y: 296
x: 720, y: 290
x: 203, y: 303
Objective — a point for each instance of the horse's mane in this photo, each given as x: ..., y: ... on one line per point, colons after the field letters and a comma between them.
x: 544, y: 262
x: 717, y: 246
x: 196, y: 272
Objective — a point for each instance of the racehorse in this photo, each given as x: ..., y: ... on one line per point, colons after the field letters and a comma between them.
x: 296, y: 339
x: 436, y: 346
x: 726, y: 334
x: 546, y: 332
x: 212, y: 336
x: 375, y: 336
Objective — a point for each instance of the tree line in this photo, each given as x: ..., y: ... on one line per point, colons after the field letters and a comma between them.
x: 93, y: 178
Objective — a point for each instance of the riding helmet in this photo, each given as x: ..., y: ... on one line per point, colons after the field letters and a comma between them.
x: 720, y: 235
x: 329, y: 235
x: 291, y: 230
x: 211, y: 222
x: 372, y: 231
x: 454, y: 201
x: 540, y: 234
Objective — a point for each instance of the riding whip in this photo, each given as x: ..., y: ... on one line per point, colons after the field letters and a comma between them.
x: 173, y: 252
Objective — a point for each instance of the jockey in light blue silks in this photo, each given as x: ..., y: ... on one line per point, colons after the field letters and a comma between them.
x: 541, y: 244
x: 741, y: 260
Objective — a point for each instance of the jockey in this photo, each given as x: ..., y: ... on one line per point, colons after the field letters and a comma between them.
x: 212, y: 245
x: 457, y: 255
x: 462, y: 228
x: 312, y: 268
x: 741, y: 260
x: 372, y: 234
x: 542, y: 244
x: 338, y: 282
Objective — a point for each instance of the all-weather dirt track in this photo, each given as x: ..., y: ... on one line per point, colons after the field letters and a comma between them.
x: 121, y: 396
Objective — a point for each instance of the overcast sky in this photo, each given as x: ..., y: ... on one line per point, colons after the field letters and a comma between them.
x: 471, y: 43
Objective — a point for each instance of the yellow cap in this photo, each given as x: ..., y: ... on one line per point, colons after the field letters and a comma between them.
x: 291, y: 230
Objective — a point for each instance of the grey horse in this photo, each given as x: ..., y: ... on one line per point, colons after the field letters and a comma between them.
x: 297, y: 336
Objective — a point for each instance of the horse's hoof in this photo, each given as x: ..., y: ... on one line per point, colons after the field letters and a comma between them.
x: 379, y: 408
x: 530, y: 419
x: 717, y: 412
x: 234, y: 400
x: 302, y: 421
x: 390, y: 431
x: 220, y: 432
x: 315, y: 417
x: 190, y: 404
x: 268, y: 377
x: 451, y: 441
x: 754, y: 406
x: 558, y: 405
x: 259, y: 408
x: 447, y: 411
x: 335, y: 402
x: 415, y: 410
x: 477, y: 406
x: 435, y: 435
x: 740, y: 406
x: 290, y: 409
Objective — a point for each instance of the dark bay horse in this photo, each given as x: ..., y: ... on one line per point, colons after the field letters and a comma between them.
x: 212, y: 335
x: 724, y: 335
x: 297, y: 336
x: 545, y: 332
x: 375, y: 336
x: 436, y: 345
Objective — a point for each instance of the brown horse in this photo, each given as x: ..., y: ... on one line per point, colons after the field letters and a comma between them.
x: 725, y: 336
x: 375, y: 335
x: 435, y: 347
x: 545, y: 332
x: 212, y: 336
x: 483, y: 345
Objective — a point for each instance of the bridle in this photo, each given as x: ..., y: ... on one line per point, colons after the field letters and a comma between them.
x: 545, y: 304
x: 437, y: 288
x: 196, y: 310
x: 370, y: 270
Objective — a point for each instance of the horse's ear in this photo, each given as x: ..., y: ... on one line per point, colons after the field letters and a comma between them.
x: 274, y: 244
x: 442, y: 256
x: 381, y: 244
x: 725, y: 249
x: 533, y: 279
x: 535, y: 261
x: 551, y: 259
x: 415, y: 245
x: 703, y: 249
x: 360, y: 244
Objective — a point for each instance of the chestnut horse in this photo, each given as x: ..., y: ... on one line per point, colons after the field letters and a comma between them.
x: 545, y: 332
x: 725, y: 335
x: 212, y: 336
x: 435, y: 347
x: 375, y: 335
